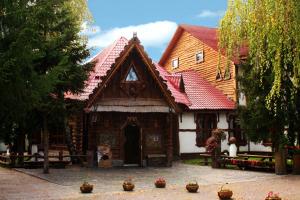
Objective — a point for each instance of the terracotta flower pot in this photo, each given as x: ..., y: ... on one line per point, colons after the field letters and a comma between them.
x: 192, y: 187
x: 160, y: 184
x: 86, y: 188
x: 225, y: 194
x: 128, y: 185
x: 272, y: 198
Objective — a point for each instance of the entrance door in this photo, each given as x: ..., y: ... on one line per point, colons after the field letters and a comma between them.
x: 132, y: 145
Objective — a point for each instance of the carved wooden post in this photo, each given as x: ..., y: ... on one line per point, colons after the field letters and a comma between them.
x: 170, y: 141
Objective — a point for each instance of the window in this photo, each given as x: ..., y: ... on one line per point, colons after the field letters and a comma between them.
x: 219, y: 74
x: 131, y: 76
x: 234, y: 130
x: 199, y: 57
x: 205, y: 124
x: 175, y: 63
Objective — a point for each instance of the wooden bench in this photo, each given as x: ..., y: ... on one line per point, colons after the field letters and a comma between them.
x: 205, y: 156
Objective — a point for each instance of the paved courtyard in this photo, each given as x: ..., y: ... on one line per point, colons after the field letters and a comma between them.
x: 64, y: 183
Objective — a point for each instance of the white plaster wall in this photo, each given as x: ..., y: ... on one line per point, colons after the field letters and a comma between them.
x: 187, y: 121
x: 256, y: 147
x: 223, y: 124
x: 188, y: 143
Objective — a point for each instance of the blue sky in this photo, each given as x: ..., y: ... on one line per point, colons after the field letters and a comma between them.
x: 154, y: 21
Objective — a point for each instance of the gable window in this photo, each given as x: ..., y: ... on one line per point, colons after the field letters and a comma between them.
x: 131, y: 76
x: 200, y: 57
x: 219, y: 74
x: 175, y: 63
x: 205, y: 124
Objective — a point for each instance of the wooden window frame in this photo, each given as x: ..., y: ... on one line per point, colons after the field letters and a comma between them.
x: 173, y: 65
x: 196, y: 56
x: 203, y: 129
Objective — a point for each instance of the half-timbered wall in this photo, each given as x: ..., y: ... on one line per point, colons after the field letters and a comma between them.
x: 186, y: 48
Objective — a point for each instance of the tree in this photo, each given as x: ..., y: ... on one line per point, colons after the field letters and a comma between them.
x: 41, y: 55
x: 269, y: 29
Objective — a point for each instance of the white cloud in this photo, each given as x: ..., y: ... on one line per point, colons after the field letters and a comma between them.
x: 154, y: 34
x: 88, y: 29
x: 210, y: 13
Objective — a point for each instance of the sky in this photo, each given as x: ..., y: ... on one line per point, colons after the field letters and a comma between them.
x: 155, y: 21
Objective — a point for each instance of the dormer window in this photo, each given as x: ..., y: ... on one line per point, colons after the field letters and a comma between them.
x: 175, y: 63
x: 200, y: 57
x: 131, y: 76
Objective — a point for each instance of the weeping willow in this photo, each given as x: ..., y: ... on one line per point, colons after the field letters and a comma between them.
x: 270, y: 29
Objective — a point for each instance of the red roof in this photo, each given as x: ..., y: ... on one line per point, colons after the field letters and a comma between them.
x: 103, y: 60
x: 199, y: 93
x: 204, y: 95
x: 207, y: 35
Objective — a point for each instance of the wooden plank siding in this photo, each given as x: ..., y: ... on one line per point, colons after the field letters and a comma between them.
x: 186, y: 48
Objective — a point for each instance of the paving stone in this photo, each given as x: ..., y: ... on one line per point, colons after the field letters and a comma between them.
x: 32, y: 184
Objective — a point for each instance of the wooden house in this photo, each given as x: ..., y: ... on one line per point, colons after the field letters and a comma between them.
x: 196, y: 48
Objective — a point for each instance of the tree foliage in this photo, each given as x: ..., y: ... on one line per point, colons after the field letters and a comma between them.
x: 270, y: 30
x: 41, y: 56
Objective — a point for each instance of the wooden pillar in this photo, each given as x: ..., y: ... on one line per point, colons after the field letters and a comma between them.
x: 170, y: 141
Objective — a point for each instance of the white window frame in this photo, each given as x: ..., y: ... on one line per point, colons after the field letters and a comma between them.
x: 196, y: 56
x: 176, y: 60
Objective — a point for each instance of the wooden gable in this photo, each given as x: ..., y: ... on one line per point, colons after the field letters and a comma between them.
x: 133, y: 85
x: 185, y: 47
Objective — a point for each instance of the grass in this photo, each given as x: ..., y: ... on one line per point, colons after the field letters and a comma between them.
x: 197, y: 161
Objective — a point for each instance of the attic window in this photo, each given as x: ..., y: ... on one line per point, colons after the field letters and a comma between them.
x: 219, y: 74
x: 175, y: 63
x: 131, y: 76
x: 200, y: 57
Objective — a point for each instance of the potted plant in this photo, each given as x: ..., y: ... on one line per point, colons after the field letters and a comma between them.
x: 160, y: 183
x: 128, y: 185
x: 225, y: 193
x: 86, y: 187
x: 273, y: 196
x: 192, y: 187
x: 213, y: 146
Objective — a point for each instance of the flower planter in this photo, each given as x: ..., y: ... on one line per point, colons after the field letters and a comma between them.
x: 192, y: 187
x: 272, y: 198
x: 128, y: 186
x: 225, y: 194
x: 160, y: 183
x: 86, y: 188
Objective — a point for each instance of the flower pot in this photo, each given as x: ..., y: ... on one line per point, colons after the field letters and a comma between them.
x: 192, y: 187
x: 86, y: 188
x: 128, y: 186
x: 272, y: 198
x: 160, y: 184
x: 225, y: 194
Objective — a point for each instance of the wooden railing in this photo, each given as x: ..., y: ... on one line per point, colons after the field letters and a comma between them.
x: 37, y: 160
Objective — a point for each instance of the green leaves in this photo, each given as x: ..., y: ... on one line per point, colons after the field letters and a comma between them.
x: 41, y: 52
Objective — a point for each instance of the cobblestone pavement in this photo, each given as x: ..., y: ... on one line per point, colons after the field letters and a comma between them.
x: 64, y: 183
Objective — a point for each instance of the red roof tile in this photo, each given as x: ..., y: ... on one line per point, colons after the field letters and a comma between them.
x: 202, y: 94
x: 103, y: 60
x: 199, y: 93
